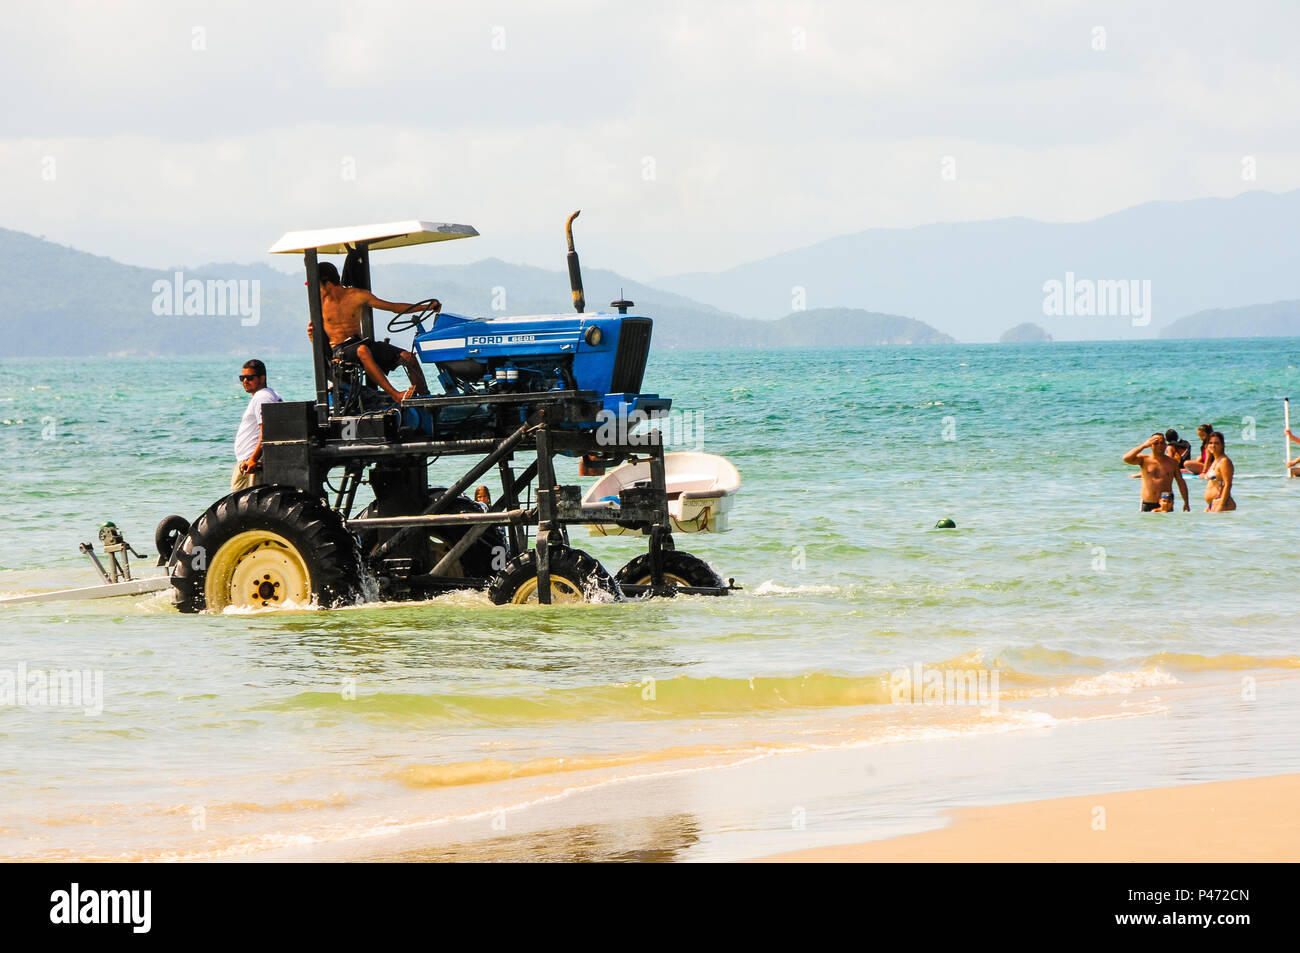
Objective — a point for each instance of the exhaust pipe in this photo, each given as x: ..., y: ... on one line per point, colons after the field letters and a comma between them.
x: 575, y: 272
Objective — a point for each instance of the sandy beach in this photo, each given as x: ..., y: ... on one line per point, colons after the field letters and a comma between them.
x: 1256, y: 819
x: 1149, y: 779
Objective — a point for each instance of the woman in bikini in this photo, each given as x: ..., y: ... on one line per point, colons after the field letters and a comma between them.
x: 1198, y: 466
x: 1218, y: 477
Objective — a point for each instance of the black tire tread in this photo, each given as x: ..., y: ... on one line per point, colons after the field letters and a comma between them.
x: 694, y: 570
x: 164, y: 536
x: 477, y: 560
x: 572, y: 563
x: 332, y: 556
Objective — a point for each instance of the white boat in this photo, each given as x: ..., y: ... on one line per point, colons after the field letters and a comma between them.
x: 701, y: 490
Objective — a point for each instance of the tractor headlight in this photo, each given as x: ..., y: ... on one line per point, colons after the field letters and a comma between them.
x: 594, y: 336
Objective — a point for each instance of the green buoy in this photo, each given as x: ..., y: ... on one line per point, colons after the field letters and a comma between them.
x: 945, y: 523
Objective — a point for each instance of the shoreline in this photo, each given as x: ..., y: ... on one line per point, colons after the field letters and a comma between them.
x: 1020, y: 795
x: 1254, y: 820
x: 763, y: 785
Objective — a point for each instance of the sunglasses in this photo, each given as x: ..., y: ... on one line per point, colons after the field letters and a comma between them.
x: 249, y: 377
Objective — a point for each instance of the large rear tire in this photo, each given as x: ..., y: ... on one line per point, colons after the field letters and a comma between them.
x: 485, y: 557
x: 680, y: 569
x: 575, y: 577
x: 267, y: 547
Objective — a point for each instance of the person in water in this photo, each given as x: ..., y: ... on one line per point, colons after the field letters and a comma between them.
x: 1177, y: 450
x: 1218, y: 477
x: 1294, y: 465
x: 1158, y: 472
x: 1198, y: 466
x: 341, y: 315
x: 1180, y: 450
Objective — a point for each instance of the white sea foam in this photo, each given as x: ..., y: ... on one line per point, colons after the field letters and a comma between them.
x: 1108, y: 683
x: 773, y: 588
x: 289, y: 606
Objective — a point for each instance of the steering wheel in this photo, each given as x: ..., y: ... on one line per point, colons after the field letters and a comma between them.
x: 414, y: 315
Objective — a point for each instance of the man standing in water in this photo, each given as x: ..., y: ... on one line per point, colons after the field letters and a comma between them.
x: 1159, y: 471
x: 248, y: 440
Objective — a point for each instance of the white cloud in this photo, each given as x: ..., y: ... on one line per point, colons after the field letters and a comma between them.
x: 167, y: 154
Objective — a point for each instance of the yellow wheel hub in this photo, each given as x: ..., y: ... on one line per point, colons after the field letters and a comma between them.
x: 257, y: 570
x: 439, y: 548
x: 562, y: 591
x: 670, y: 579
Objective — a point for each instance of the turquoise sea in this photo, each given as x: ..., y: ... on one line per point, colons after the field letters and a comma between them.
x: 235, y: 734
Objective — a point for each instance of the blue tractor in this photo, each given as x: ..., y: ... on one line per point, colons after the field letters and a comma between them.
x: 534, y: 388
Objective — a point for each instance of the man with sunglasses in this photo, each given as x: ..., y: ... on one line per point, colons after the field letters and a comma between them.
x: 248, y: 441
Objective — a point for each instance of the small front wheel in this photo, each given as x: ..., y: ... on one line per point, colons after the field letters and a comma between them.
x: 680, y: 569
x: 171, y: 530
x: 575, y: 577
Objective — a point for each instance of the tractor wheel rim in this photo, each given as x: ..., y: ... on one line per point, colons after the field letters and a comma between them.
x: 563, y: 591
x: 439, y: 548
x: 670, y: 579
x: 257, y: 569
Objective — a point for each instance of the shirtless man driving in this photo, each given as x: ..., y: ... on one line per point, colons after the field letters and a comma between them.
x: 1159, y: 471
x: 341, y: 315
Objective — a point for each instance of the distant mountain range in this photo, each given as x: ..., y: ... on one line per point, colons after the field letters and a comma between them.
x: 1279, y: 319
x: 56, y: 300
x: 1133, y: 274
x: 974, y: 279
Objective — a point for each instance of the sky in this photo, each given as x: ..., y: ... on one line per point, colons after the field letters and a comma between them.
x: 693, y: 136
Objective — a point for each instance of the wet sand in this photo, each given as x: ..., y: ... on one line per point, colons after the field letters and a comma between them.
x: 1256, y: 819
x: 1188, y: 773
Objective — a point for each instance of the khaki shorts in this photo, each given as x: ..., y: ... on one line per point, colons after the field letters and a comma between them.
x: 242, y: 481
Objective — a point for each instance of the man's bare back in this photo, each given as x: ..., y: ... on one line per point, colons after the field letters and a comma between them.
x: 341, y: 316
x: 341, y: 311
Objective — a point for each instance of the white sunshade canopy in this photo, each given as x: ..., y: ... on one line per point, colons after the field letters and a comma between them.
x: 335, y: 241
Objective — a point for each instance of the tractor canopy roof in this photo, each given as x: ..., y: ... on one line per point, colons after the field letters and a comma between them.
x: 337, y: 241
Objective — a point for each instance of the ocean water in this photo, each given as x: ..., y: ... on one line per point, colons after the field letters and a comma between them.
x: 235, y: 734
